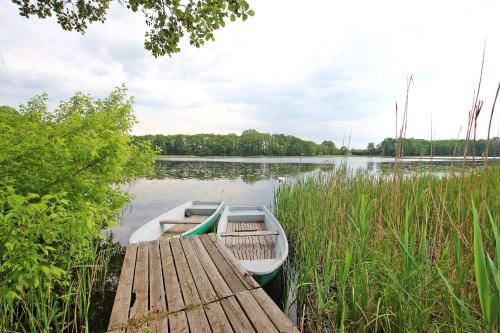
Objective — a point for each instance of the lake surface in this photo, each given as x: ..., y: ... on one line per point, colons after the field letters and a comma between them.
x: 236, y: 180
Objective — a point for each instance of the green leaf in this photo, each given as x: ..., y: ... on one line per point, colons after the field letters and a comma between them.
x: 15, y: 201
x: 480, y: 269
x: 45, y: 270
x: 458, y: 300
x: 232, y: 18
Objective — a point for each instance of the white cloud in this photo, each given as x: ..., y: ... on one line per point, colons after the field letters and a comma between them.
x: 316, y: 69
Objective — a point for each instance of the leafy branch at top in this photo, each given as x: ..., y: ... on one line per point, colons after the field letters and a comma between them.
x: 168, y: 20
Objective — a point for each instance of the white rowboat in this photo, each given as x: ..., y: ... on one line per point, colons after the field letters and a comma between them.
x: 191, y: 218
x: 256, y: 239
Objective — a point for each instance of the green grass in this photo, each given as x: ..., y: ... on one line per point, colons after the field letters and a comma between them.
x: 51, y: 308
x: 410, y: 252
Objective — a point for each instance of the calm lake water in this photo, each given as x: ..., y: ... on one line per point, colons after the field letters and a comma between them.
x: 235, y: 180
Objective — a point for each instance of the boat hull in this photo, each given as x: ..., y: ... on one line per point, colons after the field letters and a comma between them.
x: 264, y: 279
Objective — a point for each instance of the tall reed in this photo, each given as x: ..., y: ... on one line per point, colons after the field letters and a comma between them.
x: 372, y: 253
x: 51, y: 308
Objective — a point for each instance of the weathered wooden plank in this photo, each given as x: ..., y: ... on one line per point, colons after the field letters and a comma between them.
x: 139, y: 309
x: 188, y: 287
x: 269, y: 241
x: 217, y: 318
x: 197, y: 320
x: 231, y: 278
x: 236, y: 315
x: 250, y: 234
x: 121, y: 305
x: 205, y: 290
x: 234, y: 263
x: 178, y: 322
x: 173, y: 292
x: 255, y: 313
x: 138, y: 327
x: 157, y: 302
x: 280, y: 320
x: 159, y: 325
x: 220, y: 286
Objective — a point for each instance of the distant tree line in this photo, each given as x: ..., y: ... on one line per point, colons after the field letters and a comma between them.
x: 253, y: 143
x: 421, y: 147
x: 249, y: 143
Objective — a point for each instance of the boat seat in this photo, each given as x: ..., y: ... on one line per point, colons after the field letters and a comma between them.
x: 246, y: 218
x: 180, y: 222
x: 249, y: 233
x: 199, y: 211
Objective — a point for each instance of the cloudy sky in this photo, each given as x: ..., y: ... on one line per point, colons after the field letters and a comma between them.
x: 315, y: 69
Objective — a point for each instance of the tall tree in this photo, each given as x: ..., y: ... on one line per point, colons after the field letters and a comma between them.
x: 371, y: 148
x: 168, y: 20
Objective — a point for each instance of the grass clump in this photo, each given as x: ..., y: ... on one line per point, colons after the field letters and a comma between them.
x: 404, y: 253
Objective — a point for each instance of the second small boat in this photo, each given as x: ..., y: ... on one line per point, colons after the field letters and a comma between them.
x: 191, y: 218
x: 256, y: 239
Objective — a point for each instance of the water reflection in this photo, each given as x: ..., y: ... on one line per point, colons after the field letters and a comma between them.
x: 247, y: 172
x: 419, y: 166
x: 258, y: 171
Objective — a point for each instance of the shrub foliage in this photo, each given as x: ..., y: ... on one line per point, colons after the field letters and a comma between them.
x: 60, y: 176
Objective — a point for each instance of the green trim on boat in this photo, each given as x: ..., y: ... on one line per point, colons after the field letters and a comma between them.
x: 206, y: 226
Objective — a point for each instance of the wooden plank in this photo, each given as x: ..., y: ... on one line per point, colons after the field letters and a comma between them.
x: 280, y: 320
x: 188, y: 287
x: 250, y: 233
x: 197, y: 320
x: 205, y: 290
x: 138, y: 327
x: 234, y: 263
x: 175, y: 301
x: 159, y: 325
x: 236, y: 315
x: 217, y: 318
x: 176, y: 230
x: 254, y: 312
x: 121, y: 305
x: 157, y: 301
x: 178, y: 322
x: 231, y: 278
x: 220, y: 286
x: 139, y: 310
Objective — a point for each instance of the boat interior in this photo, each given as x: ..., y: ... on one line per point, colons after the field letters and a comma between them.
x: 248, y: 237
x: 193, y: 217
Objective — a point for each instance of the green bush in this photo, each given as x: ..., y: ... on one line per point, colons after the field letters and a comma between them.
x: 60, y: 176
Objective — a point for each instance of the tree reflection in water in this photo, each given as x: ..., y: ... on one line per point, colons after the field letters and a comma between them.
x: 248, y: 172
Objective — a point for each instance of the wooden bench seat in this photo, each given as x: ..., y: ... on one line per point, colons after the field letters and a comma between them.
x: 180, y: 222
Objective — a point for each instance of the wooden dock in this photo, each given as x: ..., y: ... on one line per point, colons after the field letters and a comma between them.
x: 190, y: 285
